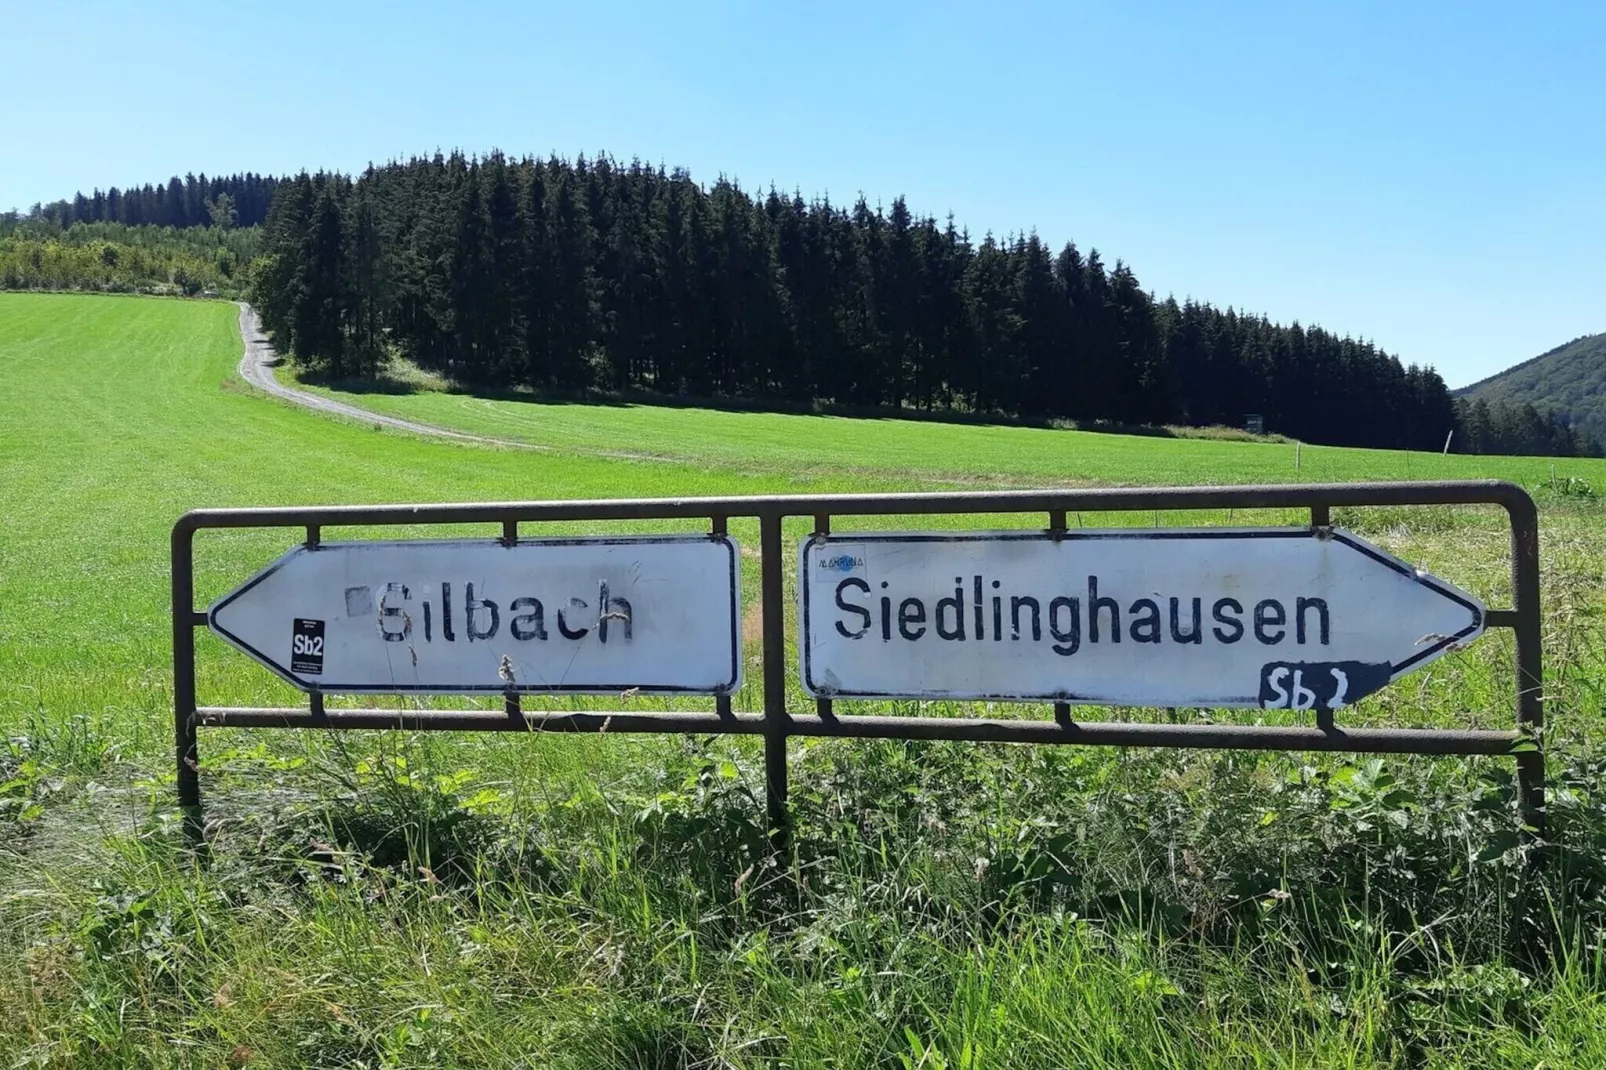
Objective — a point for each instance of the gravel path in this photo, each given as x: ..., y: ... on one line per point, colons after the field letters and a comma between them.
x: 259, y: 360
x: 256, y: 368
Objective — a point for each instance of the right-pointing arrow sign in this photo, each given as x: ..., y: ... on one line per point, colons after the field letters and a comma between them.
x: 1294, y: 618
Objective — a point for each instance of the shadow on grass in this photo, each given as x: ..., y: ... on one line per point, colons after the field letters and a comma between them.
x: 386, y: 384
x: 382, y: 384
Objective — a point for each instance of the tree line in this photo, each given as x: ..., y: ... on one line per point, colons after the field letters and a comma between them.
x: 193, y: 201
x: 582, y: 275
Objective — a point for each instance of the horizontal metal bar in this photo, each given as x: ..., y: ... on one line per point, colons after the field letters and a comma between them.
x: 502, y: 720
x: 1500, y: 618
x: 1199, y: 736
x: 1104, y: 733
x: 1456, y: 492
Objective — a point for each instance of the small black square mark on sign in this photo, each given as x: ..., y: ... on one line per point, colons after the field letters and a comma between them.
x: 306, y: 647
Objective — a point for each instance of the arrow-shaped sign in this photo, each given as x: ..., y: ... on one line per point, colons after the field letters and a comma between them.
x: 657, y: 614
x: 1295, y: 618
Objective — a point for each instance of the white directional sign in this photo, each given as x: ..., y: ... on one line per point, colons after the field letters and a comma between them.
x: 598, y: 615
x: 1260, y: 617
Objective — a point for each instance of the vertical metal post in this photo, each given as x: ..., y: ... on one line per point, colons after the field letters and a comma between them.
x: 315, y: 698
x: 775, y: 715
x: 511, y: 704
x: 1530, y: 661
x: 718, y: 527
x: 824, y: 707
x: 186, y: 751
x: 1321, y: 516
x: 1056, y: 527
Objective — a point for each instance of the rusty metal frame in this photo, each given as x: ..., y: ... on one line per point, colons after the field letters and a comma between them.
x: 777, y: 724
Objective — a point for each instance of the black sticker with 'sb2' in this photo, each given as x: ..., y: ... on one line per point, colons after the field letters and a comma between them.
x: 306, y: 647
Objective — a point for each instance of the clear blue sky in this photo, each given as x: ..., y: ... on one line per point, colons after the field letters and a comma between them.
x: 1428, y: 175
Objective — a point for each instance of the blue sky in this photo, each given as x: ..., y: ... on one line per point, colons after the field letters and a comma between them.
x: 1431, y: 176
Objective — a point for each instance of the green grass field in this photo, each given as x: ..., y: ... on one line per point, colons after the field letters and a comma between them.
x: 833, y: 446
x: 391, y: 900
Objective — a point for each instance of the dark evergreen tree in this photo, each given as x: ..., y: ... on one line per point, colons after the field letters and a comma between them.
x: 318, y: 312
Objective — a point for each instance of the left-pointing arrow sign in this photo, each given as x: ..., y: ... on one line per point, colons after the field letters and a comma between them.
x: 657, y: 614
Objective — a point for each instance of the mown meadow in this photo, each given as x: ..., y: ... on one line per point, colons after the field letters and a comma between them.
x: 938, y: 453
x: 397, y: 900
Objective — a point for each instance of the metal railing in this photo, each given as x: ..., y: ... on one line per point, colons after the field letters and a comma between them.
x: 776, y: 723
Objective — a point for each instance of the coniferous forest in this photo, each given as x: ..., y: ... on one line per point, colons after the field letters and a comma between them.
x: 591, y: 275
x: 191, y: 201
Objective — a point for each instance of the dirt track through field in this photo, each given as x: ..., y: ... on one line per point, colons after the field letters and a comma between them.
x: 259, y: 360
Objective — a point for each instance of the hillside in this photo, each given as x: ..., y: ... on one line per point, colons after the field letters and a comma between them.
x: 1570, y: 379
x: 576, y: 278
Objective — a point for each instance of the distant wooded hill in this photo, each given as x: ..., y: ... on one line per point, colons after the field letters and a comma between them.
x: 1569, y: 380
x: 182, y: 237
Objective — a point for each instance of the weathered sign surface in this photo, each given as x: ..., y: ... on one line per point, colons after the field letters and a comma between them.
x: 1297, y: 618
x: 594, y: 615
